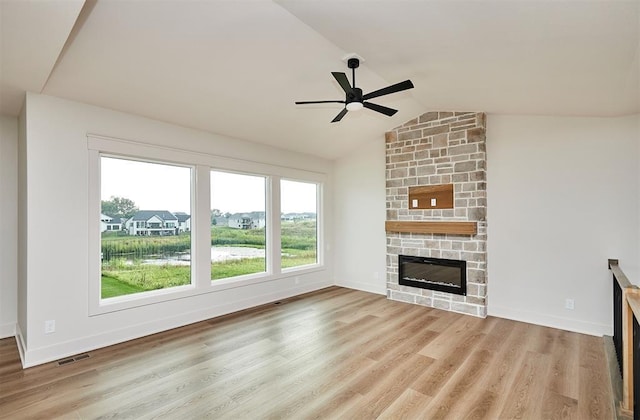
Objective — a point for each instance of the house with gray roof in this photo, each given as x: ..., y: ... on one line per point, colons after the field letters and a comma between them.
x: 184, y: 221
x: 109, y: 223
x: 152, y: 223
x: 251, y: 220
x: 114, y: 225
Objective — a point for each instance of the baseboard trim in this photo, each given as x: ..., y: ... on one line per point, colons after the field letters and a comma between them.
x: 362, y: 286
x: 34, y: 357
x: 20, y: 343
x: 567, y: 324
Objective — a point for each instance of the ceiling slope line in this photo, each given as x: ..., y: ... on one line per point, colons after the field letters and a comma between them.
x: 85, y: 11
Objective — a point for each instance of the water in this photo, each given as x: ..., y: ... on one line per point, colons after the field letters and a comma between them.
x: 218, y: 254
x: 226, y: 253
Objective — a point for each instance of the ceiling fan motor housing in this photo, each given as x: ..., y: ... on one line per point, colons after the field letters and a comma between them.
x: 355, y: 95
x: 353, y: 63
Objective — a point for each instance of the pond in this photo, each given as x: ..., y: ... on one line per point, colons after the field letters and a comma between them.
x: 218, y: 254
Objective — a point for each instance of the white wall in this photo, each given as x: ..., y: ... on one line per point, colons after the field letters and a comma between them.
x: 8, y: 225
x: 360, y: 212
x: 56, y: 267
x: 563, y: 197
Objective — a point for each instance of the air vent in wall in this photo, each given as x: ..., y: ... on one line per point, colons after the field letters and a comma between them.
x: 73, y: 359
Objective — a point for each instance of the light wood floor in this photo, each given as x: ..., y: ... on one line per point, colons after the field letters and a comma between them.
x: 335, y: 353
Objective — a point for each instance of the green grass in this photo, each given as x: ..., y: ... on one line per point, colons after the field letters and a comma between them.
x: 298, y: 235
x: 234, y: 268
x: 227, y: 236
x: 120, y: 278
x: 144, y: 277
x: 112, y: 287
x: 295, y: 258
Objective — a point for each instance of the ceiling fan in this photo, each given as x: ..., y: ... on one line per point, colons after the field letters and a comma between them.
x: 354, y: 99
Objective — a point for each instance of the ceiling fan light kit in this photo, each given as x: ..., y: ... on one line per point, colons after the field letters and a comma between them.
x: 354, y: 106
x: 354, y: 99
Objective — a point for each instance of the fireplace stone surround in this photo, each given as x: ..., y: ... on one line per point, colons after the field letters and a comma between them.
x: 439, y: 148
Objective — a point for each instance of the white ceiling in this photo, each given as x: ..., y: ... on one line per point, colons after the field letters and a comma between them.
x: 236, y: 67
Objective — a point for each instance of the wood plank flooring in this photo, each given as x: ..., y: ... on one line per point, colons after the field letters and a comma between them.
x: 335, y: 353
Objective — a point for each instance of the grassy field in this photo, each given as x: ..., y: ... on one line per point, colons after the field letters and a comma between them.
x: 120, y: 277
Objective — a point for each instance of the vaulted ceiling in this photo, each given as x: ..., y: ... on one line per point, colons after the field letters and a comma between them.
x: 236, y: 67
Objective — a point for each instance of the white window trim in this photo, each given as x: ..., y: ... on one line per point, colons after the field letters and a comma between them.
x: 269, y: 270
x: 202, y: 164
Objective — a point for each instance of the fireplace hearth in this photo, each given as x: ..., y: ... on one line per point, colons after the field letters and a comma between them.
x: 439, y: 274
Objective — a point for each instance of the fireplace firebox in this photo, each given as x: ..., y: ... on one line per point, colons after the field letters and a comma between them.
x: 433, y: 273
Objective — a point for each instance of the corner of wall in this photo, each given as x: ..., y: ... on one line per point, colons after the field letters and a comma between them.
x: 8, y: 229
x: 21, y: 223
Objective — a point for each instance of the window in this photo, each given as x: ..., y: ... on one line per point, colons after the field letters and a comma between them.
x: 148, y: 253
x: 238, y: 224
x: 298, y: 226
x: 151, y: 205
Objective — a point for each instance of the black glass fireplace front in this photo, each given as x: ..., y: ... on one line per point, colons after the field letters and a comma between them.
x: 433, y: 273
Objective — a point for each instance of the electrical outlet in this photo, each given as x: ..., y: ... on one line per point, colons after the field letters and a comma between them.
x: 433, y: 202
x: 297, y: 280
x: 569, y: 304
x: 414, y: 203
x: 50, y: 326
x: 376, y: 275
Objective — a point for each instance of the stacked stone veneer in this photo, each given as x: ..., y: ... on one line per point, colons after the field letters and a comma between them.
x: 439, y: 148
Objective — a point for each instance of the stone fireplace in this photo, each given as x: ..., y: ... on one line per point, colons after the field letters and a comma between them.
x: 436, y: 152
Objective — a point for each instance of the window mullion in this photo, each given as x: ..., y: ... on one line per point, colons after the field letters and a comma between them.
x: 273, y: 233
x: 201, y: 231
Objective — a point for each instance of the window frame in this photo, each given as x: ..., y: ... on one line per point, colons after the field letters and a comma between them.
x: 202, y: 165
x: 268, y: 269
x: 98, y: 305
x: 319, y: 227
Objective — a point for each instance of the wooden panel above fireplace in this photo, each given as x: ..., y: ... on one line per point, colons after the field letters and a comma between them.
x: 431, y: 197
x: 453, y: 228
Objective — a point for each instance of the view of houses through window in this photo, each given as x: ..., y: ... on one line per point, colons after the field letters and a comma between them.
x: 145, y: 226
x: 238, y: 224
x: 298, y: 226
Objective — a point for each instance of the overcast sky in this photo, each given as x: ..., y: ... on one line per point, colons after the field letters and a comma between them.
x: 163, y: 187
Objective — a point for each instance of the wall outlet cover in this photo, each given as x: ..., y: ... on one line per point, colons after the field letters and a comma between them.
x: 569, y: 304
x: 49, y: 326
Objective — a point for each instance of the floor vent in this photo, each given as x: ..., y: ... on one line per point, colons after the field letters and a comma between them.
x: 277, y: 303
x: 73, y: 359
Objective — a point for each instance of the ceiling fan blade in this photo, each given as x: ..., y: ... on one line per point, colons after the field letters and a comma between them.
x: 379, y: 108
x: 389, y: 89
x: 318, y: 102
x: 340, y: 115
x: 342, y: 80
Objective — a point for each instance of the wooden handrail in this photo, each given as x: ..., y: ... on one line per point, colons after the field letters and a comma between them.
x: 620, y: 277
x: 634, y: 304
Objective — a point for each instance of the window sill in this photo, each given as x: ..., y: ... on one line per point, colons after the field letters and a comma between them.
x: 154, y: 297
